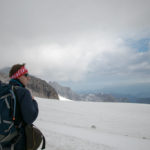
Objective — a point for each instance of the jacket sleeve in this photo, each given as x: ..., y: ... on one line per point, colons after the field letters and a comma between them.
x: 28, y: 106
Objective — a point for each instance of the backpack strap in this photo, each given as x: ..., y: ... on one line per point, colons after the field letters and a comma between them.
x: 14, y: 107
x: 44, y: 143
x: 1, y: 147
x: 16, y: 117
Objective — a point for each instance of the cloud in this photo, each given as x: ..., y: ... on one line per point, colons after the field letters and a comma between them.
x: 77, y: 40
x: 122, y: 60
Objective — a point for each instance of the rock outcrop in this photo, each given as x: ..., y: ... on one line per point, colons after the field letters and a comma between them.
x: 41, y: 88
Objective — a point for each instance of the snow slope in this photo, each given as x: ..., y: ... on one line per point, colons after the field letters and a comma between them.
x: 73, y: 125
x: 61, y: 98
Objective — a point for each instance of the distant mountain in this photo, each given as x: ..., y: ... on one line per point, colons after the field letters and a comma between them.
x: 37, y: 86
x: 95, y: 97
x: 100, y: 97
x: 65, y: 91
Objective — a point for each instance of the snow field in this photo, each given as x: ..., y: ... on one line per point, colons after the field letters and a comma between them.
x: 73, y: 125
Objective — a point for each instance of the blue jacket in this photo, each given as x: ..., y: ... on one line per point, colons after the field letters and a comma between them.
x: 27, y: 110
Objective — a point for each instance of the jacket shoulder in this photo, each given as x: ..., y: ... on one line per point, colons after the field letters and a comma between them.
x: 21, y: 92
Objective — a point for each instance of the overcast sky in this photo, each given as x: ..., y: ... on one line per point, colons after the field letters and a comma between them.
x: 95, y: 43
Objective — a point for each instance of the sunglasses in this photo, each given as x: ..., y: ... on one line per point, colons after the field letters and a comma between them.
x: 26, y: 75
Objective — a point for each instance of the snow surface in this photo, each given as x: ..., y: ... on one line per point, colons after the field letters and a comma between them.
x: 74, y: 125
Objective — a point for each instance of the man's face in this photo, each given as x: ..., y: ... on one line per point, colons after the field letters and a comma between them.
x: 24, y: 79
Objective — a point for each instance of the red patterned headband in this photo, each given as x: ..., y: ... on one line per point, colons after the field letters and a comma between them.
x: 19, y: 73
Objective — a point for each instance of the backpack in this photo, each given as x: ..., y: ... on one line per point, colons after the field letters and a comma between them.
x: 8, y: 131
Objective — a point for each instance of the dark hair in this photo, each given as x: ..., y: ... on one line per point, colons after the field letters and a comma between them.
x: 15, y: 68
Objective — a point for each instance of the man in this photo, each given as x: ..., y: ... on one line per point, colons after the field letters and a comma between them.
x: 27, y: 107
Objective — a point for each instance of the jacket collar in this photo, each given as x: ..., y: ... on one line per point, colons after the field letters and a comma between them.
x: 16, y: 82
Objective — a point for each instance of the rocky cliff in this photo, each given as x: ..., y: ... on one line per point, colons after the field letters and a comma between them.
x: 65, y: 91
x: 41, y: 88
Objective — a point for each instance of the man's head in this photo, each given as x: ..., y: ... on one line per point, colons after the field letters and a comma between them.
x: 18, y: 71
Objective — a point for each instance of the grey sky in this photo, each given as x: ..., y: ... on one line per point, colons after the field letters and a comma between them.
x: 77, y: 40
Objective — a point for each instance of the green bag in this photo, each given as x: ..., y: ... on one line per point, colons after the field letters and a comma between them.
x: 34, y: 137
